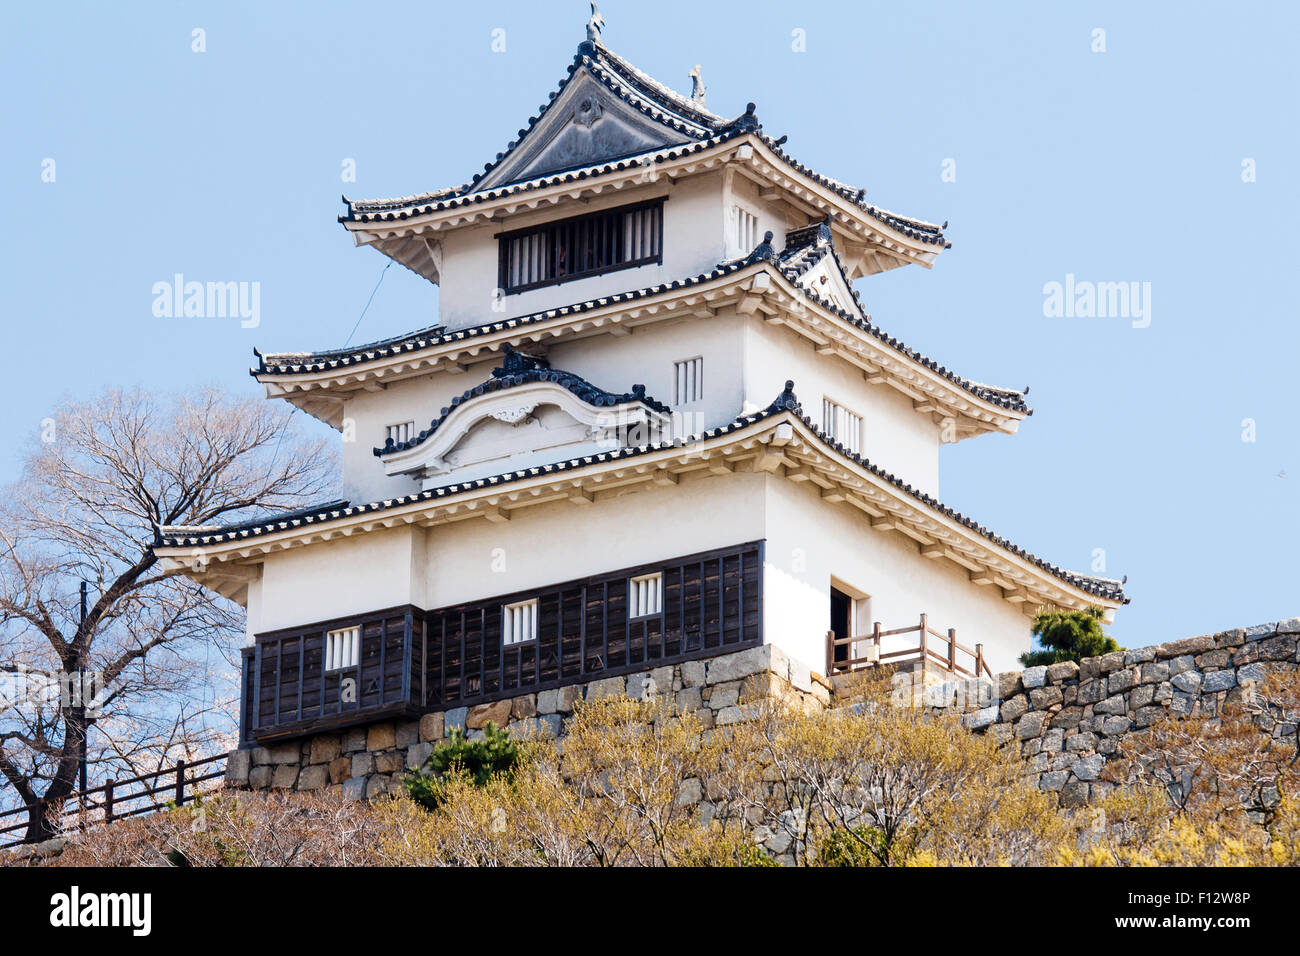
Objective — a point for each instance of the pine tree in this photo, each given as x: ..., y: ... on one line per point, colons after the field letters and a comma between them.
x: 1069, y: 636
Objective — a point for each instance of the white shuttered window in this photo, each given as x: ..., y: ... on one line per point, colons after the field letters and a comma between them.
x: 746, y: 231
x: 842, y: 425
x: 519, y: 622
x: 645, y: 595
x: 401, y: 432
x: 688, y: 381
x: 342, y: 648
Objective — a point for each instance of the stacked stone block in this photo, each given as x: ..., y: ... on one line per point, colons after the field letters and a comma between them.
x: 369, y: 761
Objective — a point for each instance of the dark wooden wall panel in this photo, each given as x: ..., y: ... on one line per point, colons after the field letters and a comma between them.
x: 711, y: 604
x: 411, y: 661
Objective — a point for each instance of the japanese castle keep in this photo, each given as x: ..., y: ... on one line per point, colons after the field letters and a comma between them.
x: 655, y: 441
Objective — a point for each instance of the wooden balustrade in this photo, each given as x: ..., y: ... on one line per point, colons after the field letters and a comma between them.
x: 119, y: 799
x: 863, y: 651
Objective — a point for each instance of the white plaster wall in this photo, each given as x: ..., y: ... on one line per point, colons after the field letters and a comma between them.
x: 473, y: 559
x: 895, y: 437
x: 773, y: 217
x: 614, y: 363
x: 809, y: 541
x: 553, y: 543
x: 693, y: 244
x: 366, y: 417
x: 343, y: 576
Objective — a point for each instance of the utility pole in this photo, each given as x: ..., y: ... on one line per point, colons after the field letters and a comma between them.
x: 81, y: 692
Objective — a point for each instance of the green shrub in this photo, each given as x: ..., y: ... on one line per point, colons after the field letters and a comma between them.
x: 1069, y: 636
x: 862, y: 846
x: 477, y: 760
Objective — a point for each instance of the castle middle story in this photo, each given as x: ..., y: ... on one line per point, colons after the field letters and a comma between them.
x: 653, y: 424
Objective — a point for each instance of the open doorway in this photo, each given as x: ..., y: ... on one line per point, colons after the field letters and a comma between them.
x: 841, y: 622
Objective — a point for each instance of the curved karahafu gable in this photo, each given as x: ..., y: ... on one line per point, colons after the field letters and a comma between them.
x: 780, y: 440
x: 526, y: 410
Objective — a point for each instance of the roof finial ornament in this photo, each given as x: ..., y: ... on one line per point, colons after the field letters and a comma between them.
x: 763, y: 252
x: 786, y: 401
x: 595, y: 24
x: 697, y: 86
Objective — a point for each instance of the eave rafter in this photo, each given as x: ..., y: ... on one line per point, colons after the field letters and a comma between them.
x: 780, y: 446
x: 931, y: 393
x: 322, y: 394
x: 760, y: 289
x: 871, y: 245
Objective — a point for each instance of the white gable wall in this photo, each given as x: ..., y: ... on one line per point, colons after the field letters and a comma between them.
x: 810, y: 541
x: 895, y: 436
x: 693, y: 244
x: 474, y: 559
x: 614, y: 363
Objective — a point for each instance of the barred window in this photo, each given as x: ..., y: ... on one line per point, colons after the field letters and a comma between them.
x: 401, y: 432
x: 519, y: 622
x: 841, y: 425
x: 645, y: 595
x: 746, y: 230
x: 342, y: 648
x: 581, y: 246
x: 688, y: 381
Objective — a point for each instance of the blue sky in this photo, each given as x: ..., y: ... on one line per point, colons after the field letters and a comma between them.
x: 1115, y: 166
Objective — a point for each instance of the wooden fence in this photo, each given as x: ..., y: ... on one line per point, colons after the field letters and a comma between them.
x: 119, y: 799
x: 865, y: 650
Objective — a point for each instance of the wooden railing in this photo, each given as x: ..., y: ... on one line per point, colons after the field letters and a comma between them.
x: 866, y: 650
x: 119, y: 799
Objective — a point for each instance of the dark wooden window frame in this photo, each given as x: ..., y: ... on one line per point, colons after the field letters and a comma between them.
x: 468, y: 664
x: 318, y: 707
x: 711, y: 603
x: 632, y: 576
x: 602, y: 217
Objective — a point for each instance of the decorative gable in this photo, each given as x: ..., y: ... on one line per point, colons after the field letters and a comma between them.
x: 587, y: 124
x: 526, y: 414
x: 811, y: 261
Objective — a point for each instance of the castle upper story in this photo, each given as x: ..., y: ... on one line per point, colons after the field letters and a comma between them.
x: 663, y: 260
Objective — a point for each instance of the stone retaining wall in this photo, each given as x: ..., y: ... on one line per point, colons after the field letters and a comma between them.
x: 1067, y: 718
x: 371, y: 760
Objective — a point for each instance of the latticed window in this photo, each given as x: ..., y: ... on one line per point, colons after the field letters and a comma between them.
x: 746, y: 230
x: 342, y: 648
x: 645, y: 595
x: 519, y: 622
x: 401, y: 432
x: 688, y: 381
x: 841, y: 425
x: 581, y: 246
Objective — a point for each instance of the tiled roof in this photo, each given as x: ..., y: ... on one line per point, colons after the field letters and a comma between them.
x: 623, y: 80
x: 1101, y: 587
x: 661, y: 104
x: 300, y: 363
x: 1105, y: 588
x: 809, y: 245
x: 395, y: 210
x: 917, y: 229
x: 520, y: 369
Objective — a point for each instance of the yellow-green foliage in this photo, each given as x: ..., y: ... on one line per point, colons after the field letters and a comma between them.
x: 636, y: 784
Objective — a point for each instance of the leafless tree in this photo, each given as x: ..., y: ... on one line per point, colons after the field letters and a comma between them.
x: 99, y: 482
